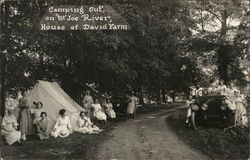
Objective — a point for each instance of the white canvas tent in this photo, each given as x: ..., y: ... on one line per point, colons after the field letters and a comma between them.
x: 54, y: 98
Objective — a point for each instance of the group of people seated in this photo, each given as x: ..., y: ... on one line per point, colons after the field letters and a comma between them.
x: 21, y: 120
x: 234, y: 100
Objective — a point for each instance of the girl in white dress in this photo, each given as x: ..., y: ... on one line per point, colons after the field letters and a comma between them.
x: 98, y: 113
x: 109, y: 109
x: 84, y: 125
x: 62, y: 127
x: 9, y: 128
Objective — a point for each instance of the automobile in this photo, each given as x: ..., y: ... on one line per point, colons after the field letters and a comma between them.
x: 212, y: 111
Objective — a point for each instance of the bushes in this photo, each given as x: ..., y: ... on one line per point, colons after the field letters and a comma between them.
x: 239, y: 134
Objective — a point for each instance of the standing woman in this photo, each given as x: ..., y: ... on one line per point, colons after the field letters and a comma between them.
x: 62, y: 127
x: 87, y: 101
x: 131, y: 105
x: 25, y: 119
x: 9, y: 128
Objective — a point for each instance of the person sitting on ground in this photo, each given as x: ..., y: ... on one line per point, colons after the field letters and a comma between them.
x: 43, y: 127
x: 9, y: 128
x: 36, y: 111
x: 109, y: 109
x: 62, y: 127
x: 98, y: 113
x: 84, y: 125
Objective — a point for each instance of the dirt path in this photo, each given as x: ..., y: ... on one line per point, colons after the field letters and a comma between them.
x: 146, y: 137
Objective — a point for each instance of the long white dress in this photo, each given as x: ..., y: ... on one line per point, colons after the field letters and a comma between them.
x: 84, y: 125
x: 87, y: 102
x: 9, y: 131
x: 109, y: 110
x: 131, y: 105
x: 62, y: 127
x: 98, y: 113
x: 230, y: 101
x: 241, y: 112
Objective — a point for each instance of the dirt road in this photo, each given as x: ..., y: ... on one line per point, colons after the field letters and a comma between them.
x: 146, y: 137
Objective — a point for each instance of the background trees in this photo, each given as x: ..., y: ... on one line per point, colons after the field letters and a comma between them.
x: 171, y: 45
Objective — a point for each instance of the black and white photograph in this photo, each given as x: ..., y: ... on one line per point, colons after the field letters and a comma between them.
x: 125, y: 79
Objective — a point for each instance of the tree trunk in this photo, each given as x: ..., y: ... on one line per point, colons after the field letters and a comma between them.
x: 223, y: 59
x: 141, y: 101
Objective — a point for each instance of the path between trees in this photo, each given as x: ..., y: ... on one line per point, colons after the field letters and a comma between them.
x: 146, y: 137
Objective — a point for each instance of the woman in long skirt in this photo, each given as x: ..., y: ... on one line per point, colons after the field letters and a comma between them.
x: 84, y: 125
x: 62, y: 127
x: 109, y: 109
x: 98, y: 113
x: 9, y: 128
x: 26, y: 121
x: 43, y: 127
x: 131, y: 105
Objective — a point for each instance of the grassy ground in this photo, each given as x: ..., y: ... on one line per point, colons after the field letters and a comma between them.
x: 76, y: 146
x: 213, y: 142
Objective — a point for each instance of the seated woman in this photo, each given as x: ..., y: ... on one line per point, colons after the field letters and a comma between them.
x: 9, y: 128
x: 62, y: 127
x: 84, y: 125
x: 109, y: 109
x: 42, y: 127
x: 98, y: 113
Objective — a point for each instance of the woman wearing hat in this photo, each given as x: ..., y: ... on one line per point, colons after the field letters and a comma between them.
x: 62, y: 127
x: 84, y: 125
x: 9, y: 128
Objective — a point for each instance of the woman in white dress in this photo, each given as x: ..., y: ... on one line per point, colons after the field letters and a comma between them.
x: 109, y: 109
x: 230, y: 96
x: 62, y: 127
x: 87, y: 101
x: 84, y: 125
x: 131, y: 105
x: 9, y: 128
x: 240, y: 112
x: 97, y: 111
